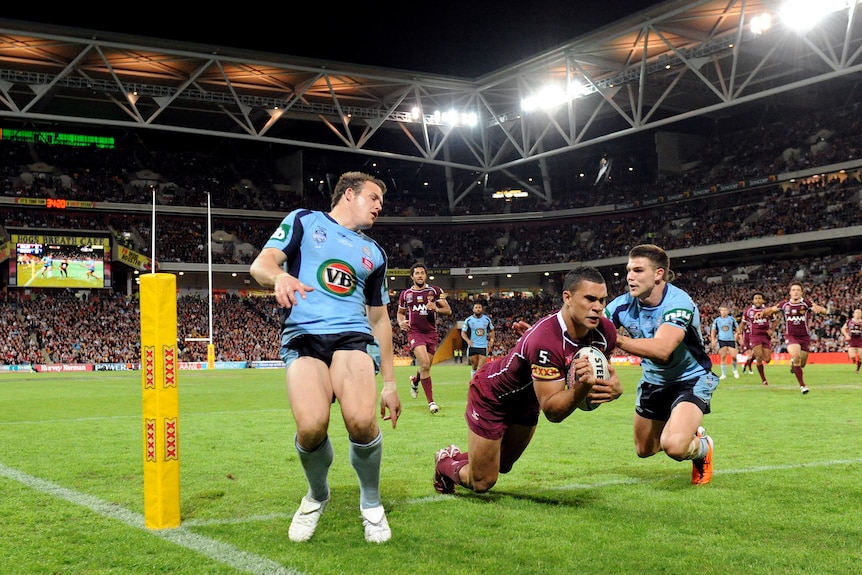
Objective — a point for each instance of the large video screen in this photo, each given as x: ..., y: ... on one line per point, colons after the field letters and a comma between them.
x: 60, y: 260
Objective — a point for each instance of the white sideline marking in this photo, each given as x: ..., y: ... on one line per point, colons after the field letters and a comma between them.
x: 257, y: 565
x: 210, y: 548
x: 757, y: 469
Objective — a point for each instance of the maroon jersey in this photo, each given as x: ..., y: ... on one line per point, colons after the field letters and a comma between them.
x: 797, y: 316
x: 757, y: 328
x: 415, y: 302
x: 542, y: 353
x: 855, y: 329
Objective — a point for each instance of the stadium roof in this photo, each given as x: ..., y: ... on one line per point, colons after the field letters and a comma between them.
x: 666, y: 64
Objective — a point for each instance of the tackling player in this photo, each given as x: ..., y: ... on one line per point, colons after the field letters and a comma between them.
x: 675, y: 390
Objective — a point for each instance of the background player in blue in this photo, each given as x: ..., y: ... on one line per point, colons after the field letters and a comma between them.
x: 334, y: 300
x: 723, y: 337
x: 478, y: 333
x: 674, y: 393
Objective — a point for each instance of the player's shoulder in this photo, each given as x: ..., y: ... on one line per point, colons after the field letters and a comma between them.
x: 676, y: 296
x: 304, y: 213
x: 623, y: 299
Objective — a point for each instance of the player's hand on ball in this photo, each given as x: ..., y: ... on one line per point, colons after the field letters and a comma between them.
x: 605, y: 390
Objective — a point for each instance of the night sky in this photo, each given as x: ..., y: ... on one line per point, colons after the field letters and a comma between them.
x: 452, y: 38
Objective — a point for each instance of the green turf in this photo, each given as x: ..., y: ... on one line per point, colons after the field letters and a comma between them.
x: 786, y: 497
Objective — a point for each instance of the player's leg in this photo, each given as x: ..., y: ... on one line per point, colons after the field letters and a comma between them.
x: 476, y: 469
x: 795, y: 351
x: 490, y: 457
x: 677, y: 437
x: 647, y: 435
x: 763, y: 356
x: 423, y: 358
x: 474, y: 361
x: 803, y: 356
x: 683, y: 438
x: 310, y: 405
x: 355, y: 386
x: 734, y: 361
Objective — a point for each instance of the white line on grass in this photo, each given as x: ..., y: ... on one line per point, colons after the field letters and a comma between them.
x: 258, y: 565
x: 757, y: 469
x: 210, y: 548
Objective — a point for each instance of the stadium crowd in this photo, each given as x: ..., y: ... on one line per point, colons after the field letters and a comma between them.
x: 65, y: 327
x: 131, y: 174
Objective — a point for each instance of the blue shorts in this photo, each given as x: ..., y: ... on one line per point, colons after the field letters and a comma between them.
x: 657, y: 401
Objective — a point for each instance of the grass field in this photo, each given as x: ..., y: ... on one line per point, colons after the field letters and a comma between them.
x: 786, y: 497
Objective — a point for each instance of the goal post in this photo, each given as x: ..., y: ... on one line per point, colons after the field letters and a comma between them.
x: 160, y: 371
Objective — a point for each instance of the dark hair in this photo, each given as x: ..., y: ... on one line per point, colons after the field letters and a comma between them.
x: 581, y: 274
x: 353, y: 180
x: 417, y: 265
x: 656, y: 255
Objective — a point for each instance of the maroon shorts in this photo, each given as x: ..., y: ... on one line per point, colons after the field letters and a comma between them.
x: 803, y: 341
x: 489, y: 417
x: 417, y: 338
x: 763, y: 340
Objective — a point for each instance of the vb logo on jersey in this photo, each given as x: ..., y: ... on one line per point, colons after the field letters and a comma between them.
x: 337, y: 277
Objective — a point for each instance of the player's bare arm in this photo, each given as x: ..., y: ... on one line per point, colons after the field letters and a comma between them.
x: 401, y: 319
x: 378, y: 318
x: 659, y: 348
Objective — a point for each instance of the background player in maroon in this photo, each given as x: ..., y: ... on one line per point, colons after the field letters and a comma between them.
x: 852, y: 332
x: 797, y: 311
x: 418, y: 307
x: 757, y: 334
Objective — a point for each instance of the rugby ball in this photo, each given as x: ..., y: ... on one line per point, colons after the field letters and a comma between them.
x: 600, y: 370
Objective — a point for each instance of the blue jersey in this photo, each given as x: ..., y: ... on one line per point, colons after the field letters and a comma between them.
x: 725, y: 328
x: 477, y: 329
x: 346, y: 268
x: 689, y: 360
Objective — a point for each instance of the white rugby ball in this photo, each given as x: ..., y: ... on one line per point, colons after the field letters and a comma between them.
x: 600, y: 370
